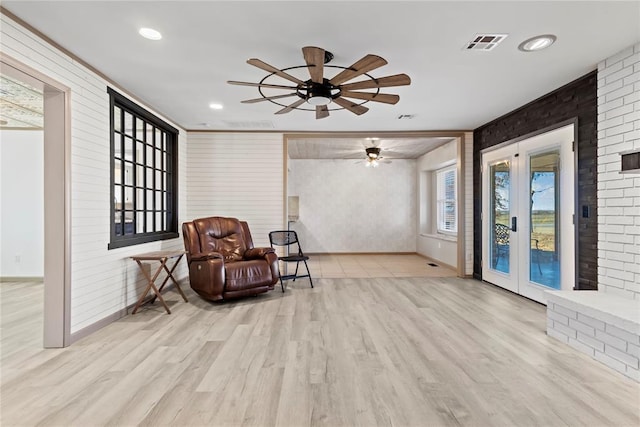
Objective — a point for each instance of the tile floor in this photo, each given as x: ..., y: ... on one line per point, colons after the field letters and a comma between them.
x: 383, y: 265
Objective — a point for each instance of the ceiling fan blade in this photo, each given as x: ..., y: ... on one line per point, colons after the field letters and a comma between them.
x: 290, y: 107
x: 366, y: 64
x: 321, y: 111
x: 377, y: 97
x: 268, y: 98
x: 395, y: 80
x: 354, y: 108
x: 266, y: 67
x: 231, y: 82
x: 314, y: 57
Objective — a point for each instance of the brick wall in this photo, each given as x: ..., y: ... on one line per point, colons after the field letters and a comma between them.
x: 577, y: 99
x: 619, y: 194
x: 605, y: 337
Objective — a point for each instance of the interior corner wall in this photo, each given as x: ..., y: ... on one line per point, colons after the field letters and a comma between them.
x: 346, y: 207
x: 619, y: 194
x: 577, y: 99
x: 240, y: 175
x: 429, y: 243
x: 103, y: 282
x: 468, y: 203
x: 22, y: 202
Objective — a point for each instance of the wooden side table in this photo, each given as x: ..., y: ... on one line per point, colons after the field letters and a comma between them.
x: 162, y: 257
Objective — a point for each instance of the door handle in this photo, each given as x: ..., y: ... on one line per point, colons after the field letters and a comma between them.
x: 514, y: 223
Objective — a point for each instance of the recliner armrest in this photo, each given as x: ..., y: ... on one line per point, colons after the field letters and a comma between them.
x: 256, y: 253
x: 201, y: 256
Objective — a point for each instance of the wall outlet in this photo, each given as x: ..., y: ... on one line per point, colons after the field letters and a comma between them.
x: 18, y: 259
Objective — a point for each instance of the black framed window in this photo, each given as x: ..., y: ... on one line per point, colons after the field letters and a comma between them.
x: 144, y: 175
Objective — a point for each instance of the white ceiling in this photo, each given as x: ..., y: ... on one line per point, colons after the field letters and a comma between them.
x: 206, y: 43
x: 354, y: 148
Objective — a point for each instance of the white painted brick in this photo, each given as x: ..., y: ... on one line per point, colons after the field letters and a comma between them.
x: 623, y: 91
x: 622, y: 334
x: 619, y: 74
x: 616, y: 130
x: 634, y: 135
x: 594, y: 323
x: 581, y: 347
x: 591, y: 342
x: 615, y: 247
x: 631, y: 79
x: 611, y: 105
x: 634, y: 374
x: 622, y: 356
x: 565, y: 330
x: 581, y: 327
x: 607, y: 228
x: 557, y: 335
x: 611, y: 362
x: 623, y: 202
x: 632, y: 97
x: 633, y: 350
x: 618, y: 112
x: 565, y: 311
x: 631, y: 116
x: 615, y: 121
x: 631, y: 60
x: 612, y: 61
x: 557, y: 317
x: 609, y: 339
x: 605, y: 89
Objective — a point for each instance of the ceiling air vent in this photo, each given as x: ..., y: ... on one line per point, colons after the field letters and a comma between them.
x: 485, y: 41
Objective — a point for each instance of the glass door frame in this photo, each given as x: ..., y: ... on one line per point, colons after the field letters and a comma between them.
x: 568, y: 129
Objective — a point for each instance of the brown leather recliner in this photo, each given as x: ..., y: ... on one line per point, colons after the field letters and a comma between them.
x: 222, y: 261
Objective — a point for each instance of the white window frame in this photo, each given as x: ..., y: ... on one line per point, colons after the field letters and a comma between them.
x: 442, y: 201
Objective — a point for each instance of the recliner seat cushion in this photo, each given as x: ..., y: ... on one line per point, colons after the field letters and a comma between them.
x: 247, y: 274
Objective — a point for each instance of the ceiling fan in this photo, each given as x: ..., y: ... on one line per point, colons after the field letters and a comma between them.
x: 319, y: 92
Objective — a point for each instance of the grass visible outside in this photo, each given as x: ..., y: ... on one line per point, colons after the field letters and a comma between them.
x: 543, y: 228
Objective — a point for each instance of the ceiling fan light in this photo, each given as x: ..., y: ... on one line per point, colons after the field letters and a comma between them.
x: 318, y: 100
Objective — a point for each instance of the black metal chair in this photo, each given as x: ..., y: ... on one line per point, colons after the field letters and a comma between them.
x: 286, y: 239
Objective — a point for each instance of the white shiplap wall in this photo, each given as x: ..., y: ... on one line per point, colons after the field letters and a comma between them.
x: 618, y: 194
x: 239, y: 175
x: 103, y: 282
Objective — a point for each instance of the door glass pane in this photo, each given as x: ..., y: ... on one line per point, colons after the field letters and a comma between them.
x: 500, y: 211
x: 544, y: 255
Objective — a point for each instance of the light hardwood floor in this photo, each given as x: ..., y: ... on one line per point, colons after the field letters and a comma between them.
x: 366, y: 352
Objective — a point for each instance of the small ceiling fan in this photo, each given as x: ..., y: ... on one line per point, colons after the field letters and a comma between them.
x: 319, y: 92
x: 374, y: 158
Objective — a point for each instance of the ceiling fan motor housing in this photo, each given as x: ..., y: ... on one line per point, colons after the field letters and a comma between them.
x: 318, y: 93
x: 373, y: 152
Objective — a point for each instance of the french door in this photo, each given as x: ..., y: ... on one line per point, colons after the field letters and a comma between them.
x: 528, y: 209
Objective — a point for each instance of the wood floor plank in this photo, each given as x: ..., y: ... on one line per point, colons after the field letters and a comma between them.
x: 349, y: 352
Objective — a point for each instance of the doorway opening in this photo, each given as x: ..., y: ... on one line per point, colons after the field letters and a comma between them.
x: 32, y: 100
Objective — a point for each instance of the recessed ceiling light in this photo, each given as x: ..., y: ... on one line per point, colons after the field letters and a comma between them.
x: 215, y: 106
x: 537, y: 43
x: 150, y: 33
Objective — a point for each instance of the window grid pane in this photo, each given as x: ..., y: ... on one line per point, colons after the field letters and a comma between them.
x: 143, y: 151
